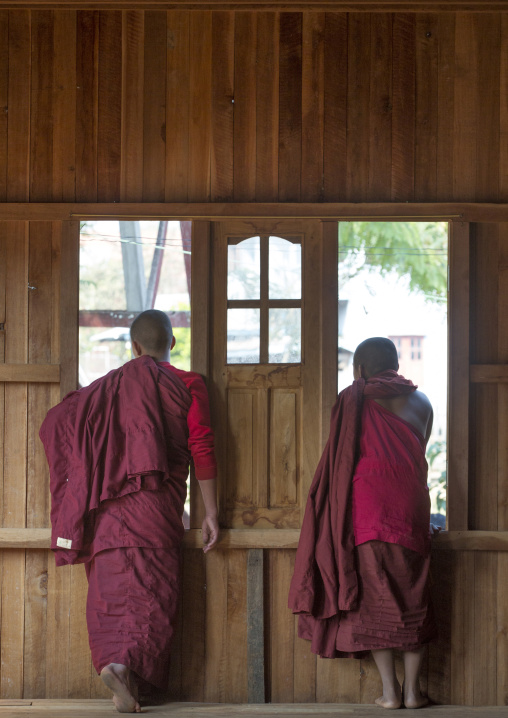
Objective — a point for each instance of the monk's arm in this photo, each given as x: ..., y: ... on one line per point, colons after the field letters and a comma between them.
x: 210, y: 526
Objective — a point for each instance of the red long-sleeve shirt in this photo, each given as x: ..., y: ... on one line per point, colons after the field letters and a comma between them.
x: 201, y: 443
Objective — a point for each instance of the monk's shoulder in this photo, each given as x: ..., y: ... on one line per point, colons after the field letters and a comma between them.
x: 421, y: 400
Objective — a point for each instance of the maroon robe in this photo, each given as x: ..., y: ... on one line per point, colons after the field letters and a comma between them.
x: 325, y: 581
x: 119, y: 453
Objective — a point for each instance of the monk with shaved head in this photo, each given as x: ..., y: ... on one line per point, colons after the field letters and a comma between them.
x: 119, y: 453
x: 361, y: 574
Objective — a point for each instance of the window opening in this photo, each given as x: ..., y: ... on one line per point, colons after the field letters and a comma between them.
x: 264, y: 291
x: 393, y: 283
x: 125, y: 268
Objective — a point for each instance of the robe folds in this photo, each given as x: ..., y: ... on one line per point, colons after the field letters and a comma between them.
x: 325, y: 581
x: 124, y: 433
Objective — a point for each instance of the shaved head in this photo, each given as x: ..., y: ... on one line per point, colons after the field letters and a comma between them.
x: 152, y: 330
x: 376, y: 355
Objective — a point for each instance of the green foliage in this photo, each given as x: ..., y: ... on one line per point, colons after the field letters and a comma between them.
x: 417, y: 250
x: 436, y: 457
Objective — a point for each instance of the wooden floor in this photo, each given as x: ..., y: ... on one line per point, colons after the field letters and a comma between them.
x: 83, y: 709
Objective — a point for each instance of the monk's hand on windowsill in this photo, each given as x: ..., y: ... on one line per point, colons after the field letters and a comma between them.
x: 210, y: 532
x: 435, y: 530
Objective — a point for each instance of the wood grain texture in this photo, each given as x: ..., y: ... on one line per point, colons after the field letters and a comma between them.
x: 19, y: 145
x: 267, y: 106
x: 403, y: 125
x: 426, y: 116
x: 87, y: 38
x: 244, y: 164
x: 65, y: 107
x: 154, y: 107
x: 41, y: 106
x: 335, y: 106
x: 109, y: 106
x: 131, y: 176
x: 313, y: 111
x: 290, y: 102
x: 223, y: 106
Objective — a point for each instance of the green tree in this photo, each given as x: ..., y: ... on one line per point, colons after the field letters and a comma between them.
x: 417, y: 250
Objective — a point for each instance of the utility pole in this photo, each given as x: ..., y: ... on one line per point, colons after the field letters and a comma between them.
x: 133, y: 269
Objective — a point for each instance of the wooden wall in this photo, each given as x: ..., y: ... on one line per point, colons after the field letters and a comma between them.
x: 197, y: 106
x: 219, y: 106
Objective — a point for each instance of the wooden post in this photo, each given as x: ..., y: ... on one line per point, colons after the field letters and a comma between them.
x: 255, y: 627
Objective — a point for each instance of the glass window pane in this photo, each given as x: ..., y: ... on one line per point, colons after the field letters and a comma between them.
x: 285, y: 269
x: 243, y: 269
x: 243, y: 336
x: 285, y: 336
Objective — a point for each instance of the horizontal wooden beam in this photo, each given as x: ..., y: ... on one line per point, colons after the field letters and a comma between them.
x: 264, y: 5
x: 270, y: 539
x: 49, y: 373
x: 382, y: 211
x: 488, y: 373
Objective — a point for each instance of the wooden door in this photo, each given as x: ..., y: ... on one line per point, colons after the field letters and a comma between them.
x: 267, y: 374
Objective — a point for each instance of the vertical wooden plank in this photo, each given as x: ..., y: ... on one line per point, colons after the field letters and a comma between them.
x: 241, y: 447
x: 131, y: 175
x: 236, y: 628
x: 338, y: 681
x: 200, y: 333
x: 439, y: 653
x: 69, y: 304
x: 313, y: 55
x: 502, y: 629
x: 458, y: 383
x: 485, y: 629
x: 290, y: 107
x: 282, y: 628
x: 244, y: 176
x: 267, y: 107
x: 223, y: 105
x: 154, y: 117
x: 311, y: 354
x: 41, y: 270
x: 58, y: 630
x: 446, y: 103
x: 381, y: 104
x: 502, y: 476
x: 335, y: 106
x: 109, y: 106
x: 4, y: 100
x: 329, y: 324
x: 484, y: 317
x: 193, y: 658
x: 427, y: 40
x: 304, y: 689
x: 488, y: 38
x: 283, y: 448
x: 87, y: 106
x: 200, y: 38
x: 64, y: 110
x: 358, y: 107
x: 255, y: 627
x: 503, y: 111
x: 502, y: 390
x: 18, y: 146
x: 41, y: 129
x: 216, y: 678
x: 465, y: 118
x: 403, y: 113
x: 15, y: 460
x: 73, y: 595
x: 177, y: 106
x: 462, y: 628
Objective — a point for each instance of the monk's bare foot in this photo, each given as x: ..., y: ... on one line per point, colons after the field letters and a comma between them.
x: 415, y: 699
x: 118, y: 678
x: 392, y: 701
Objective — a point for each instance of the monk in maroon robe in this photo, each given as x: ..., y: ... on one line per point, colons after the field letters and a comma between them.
x: 361, y: 574
x: 119, y: 453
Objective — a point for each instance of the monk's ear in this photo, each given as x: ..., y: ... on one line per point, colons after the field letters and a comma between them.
x: 137, y: 349
x: 173, y: 342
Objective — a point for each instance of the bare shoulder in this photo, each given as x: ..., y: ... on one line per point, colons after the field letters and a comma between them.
x: 422, y: 399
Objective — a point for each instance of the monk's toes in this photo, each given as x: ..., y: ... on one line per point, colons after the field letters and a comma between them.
x: 389, y: 703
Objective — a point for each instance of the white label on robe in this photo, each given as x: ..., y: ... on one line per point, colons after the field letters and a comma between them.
x: 64, y: 543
